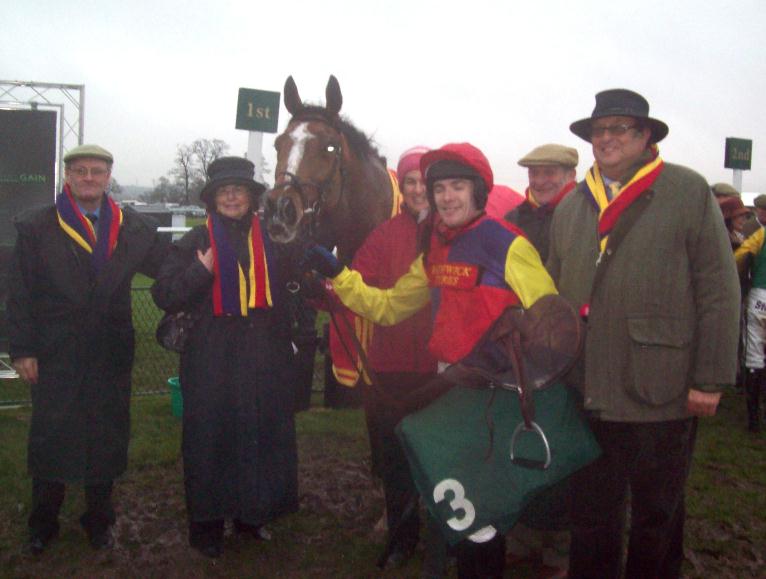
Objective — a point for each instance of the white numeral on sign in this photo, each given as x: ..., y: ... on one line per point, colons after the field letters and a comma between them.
x: 459, y: 502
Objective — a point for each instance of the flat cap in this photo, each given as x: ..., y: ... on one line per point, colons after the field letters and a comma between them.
x: 550, y: 154
x: 760, y: 202
x: 724, y: 189
x: 90, y: 151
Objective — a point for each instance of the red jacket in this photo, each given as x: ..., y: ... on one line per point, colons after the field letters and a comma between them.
x: 385, y: 256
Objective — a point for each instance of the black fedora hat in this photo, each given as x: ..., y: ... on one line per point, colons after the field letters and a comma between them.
x: 230, y: 171
x: 620, y: 102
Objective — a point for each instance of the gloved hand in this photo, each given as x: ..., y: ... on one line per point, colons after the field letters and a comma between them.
x: 321, y: 260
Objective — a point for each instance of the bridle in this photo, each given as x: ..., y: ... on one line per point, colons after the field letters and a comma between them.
x: 314, y: 210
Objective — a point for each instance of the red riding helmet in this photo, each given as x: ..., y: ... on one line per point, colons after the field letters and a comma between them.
x: 458, y: 160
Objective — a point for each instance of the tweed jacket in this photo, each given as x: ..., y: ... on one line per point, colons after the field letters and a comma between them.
x: 663, y: 298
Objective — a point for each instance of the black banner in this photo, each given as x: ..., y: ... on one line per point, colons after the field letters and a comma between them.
x: 27, y: 178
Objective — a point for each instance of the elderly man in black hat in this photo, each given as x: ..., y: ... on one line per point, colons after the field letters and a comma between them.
x: 640, y: 248
x: 71, y: 339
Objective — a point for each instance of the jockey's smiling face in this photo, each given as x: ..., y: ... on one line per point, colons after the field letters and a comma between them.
x: 454, y: 200
x: 87, y: 179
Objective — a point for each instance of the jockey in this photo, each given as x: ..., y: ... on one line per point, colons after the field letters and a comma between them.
x: 470, y: 269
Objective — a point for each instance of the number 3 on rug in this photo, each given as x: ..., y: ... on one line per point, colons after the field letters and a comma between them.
x: 459, y: 502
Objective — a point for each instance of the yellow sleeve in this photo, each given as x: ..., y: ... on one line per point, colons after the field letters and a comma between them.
x: 384, y: 306
x: 525, y: 273
x: 752, y: 245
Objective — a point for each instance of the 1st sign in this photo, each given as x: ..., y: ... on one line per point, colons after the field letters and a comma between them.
x: 257, y: 110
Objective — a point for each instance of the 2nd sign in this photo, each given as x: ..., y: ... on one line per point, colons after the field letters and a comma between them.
x: 257, y: 110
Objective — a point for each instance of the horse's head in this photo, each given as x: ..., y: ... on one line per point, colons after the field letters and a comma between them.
x: 310, y: 157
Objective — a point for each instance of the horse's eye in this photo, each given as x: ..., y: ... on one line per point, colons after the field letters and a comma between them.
x: 330, y: 148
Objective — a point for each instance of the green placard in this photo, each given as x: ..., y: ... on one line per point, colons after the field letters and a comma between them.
x: 739, y: 153
x: 257, y: 110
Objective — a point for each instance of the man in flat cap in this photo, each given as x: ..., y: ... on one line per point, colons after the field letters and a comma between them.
x: 543, y: 528
x: 71, y: 339
x: 552, y: 170
x: 724, y: 190
x: 640, y: 249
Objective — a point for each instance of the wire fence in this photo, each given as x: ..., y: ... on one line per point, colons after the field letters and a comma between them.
x: 153, y: 365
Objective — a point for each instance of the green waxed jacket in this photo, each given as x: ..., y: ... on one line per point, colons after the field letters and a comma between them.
x: 663, y: 300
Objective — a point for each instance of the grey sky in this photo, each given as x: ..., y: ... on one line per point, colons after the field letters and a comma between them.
x: 504, y: 75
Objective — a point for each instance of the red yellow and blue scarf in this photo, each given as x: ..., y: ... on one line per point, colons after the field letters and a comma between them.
x: 234, y: 293
x: 611, y: 210
x: 100, y: 245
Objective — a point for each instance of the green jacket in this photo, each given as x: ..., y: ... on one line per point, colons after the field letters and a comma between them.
x: 664, y: 299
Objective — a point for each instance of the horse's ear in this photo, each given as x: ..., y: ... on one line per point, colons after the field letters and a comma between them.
x: 333, y: 96
x: 293, y: 102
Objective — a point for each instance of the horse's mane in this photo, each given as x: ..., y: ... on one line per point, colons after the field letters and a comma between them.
x: 360, y: 143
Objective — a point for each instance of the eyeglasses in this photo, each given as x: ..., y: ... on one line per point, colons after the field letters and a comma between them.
x: 233, y: 190
x: 95, y: 172
x: 613, y: 130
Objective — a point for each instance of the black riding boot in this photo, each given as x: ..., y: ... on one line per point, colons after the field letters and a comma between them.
x: 753, y: 382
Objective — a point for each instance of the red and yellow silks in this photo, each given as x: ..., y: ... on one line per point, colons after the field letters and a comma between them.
x: 346, y: 365
x: 396, y: 194
x: 233, y: 293
x: 610, y: 211
x: 81, y: 230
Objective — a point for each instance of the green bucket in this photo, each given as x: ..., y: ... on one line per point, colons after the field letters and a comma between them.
x: 176, y: 398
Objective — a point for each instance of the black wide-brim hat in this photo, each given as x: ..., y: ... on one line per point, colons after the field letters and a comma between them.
x: 620, y: 102
x: 230, y: 171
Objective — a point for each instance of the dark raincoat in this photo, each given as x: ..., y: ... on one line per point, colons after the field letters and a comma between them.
x: 79, y: 327
x: 239, y: 449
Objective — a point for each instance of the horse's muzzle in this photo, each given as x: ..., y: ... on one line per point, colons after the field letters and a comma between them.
x: 281, y: 219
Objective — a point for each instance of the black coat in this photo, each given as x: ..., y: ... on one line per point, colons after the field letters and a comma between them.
x: 535, y: 222
x: 79, y: 327
x: 239, y: 448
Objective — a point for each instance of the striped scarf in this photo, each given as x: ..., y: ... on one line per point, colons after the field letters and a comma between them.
x: 610, y: 211
x: 234, y: 292
x: 80, y: 229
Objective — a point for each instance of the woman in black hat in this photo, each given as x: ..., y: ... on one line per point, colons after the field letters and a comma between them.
x: 238, y: 443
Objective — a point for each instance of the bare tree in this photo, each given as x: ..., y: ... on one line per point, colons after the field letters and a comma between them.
x: 186, y: 179
x: 205, y: 151
x: 184, y: 170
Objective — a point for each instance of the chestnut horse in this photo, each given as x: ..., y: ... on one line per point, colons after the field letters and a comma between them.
x: 331, y: 184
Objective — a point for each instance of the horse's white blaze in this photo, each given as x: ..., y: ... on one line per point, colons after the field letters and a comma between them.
x: 299, y: 136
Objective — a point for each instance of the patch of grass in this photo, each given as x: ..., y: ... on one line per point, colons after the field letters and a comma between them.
x: 331, y: 536
x: 155, y: 433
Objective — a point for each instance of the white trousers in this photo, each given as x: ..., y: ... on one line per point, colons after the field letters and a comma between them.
x: 755, y: 334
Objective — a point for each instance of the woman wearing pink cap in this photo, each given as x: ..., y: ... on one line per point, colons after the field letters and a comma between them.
x: 398, y: 355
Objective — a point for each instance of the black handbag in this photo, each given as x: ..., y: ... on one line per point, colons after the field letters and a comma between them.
x: 174, y: 329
